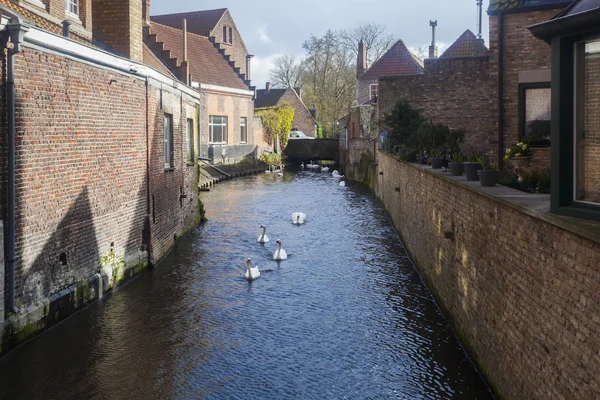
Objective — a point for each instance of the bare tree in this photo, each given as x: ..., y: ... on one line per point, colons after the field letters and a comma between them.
x: 375, y: 36
x: 286, y: 72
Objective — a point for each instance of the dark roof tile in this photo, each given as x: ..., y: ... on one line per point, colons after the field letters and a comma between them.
x: 207, y: 64
x: 465, y: 46
x: 198, y: 22
x: 268, y: 98
x: 398, y: 60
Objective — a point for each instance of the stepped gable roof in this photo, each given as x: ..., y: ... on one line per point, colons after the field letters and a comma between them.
x: 152, y: 60
x: 268, y: 98
x: 465, y: 46
x: 207, y: 64
x: 398, y: 60
x: 498, y: 5
x: 45, y: 23
x: 198, y: 22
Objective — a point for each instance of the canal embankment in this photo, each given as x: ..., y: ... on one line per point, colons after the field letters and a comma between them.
x: 521, y: 286
x: 213, y: 174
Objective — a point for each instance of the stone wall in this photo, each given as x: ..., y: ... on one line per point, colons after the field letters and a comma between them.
x: 363, y: 89
x: 522, y: 291
x: 303, y: 119
x: 453, y: 91
x: 237, y: 50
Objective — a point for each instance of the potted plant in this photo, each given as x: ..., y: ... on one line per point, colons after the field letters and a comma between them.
x: 488, y: 174
x: 436, y: 159
x: 519, y: 155
x: 471, y: 168
x: 456, y: 167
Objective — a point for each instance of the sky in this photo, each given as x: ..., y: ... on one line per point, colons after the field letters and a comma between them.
x: 271, y: 28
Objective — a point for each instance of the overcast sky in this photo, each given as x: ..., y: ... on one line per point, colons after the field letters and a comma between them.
x: 274, y: 27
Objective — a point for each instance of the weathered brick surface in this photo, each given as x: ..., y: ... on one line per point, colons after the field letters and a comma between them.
x: 303, y: 119
x: 453, y: 91
x: 363, y: 89
x: 81, y: 172
x: 591, y: 157
x: 524, y: 294
x: 237, y: 50
x: 2, y: 272
x: 118, y: 25
x: 541, y: 157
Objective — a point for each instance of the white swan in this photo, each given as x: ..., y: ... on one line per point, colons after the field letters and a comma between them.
x: 298, y: 218
x: 324, y: 169
x: 302, y: 165
x: 280, y: 174
x: 342, y: 184
x: 263, y: 236
x: 252, y: 271
x: 336, y: 174
x: 280, y: 253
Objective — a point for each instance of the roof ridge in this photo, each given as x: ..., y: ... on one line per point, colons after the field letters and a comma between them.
x: 180, y: 30
x: 189, y: 12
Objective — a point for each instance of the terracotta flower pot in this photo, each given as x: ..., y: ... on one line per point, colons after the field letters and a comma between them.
x: 456, y: 169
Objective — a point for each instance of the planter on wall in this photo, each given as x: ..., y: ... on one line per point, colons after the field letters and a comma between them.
x: 519, y: 162
x: 456, y: 169
x: 471, y: 169
x: 436, y: 163
x: 488, y: 178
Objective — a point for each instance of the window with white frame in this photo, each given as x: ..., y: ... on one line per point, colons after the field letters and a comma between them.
x: 243, y: 130
x: 189, y: 140
x: 168, y: 134
x: 218, y: 129
x: 373, y: 91
x: 72, y: 7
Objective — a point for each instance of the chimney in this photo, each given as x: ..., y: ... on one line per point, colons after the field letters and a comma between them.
x: 185, y: 65
x: 118, y: 24
x: 361, y: 62
x: 248, y: 59
x: 268, y: 87
x: 146, y: 11
x: 433, y: 50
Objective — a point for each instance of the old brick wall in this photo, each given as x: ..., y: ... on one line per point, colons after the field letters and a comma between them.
x: 233, y: 107
x: 303, y: 119
x: 2, y: 272
x: 523, y: 293
x: 363, y: 89
x: 237, y: 50
x: 453, y: 91
x: 118, y: 24
x: 591, y: 164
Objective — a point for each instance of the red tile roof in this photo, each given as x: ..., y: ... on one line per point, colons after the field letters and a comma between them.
x: 152, y: 60
x: 465, y: 46
x: 207, y: 64
x: 397, y: 61
x: 44, y: 23
x: 198, y: 22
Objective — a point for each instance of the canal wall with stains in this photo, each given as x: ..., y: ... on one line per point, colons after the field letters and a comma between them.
x: 521, y: 286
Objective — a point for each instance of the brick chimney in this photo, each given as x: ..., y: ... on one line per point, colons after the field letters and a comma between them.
x: 146, y: 11
x: 361, y: 62
x: 56, y: 8
x: 268, y: 87
x: 118, y: 25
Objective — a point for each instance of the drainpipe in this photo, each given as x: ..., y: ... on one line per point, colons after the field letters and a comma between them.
x: 15, y: 32
x: 500, y: 91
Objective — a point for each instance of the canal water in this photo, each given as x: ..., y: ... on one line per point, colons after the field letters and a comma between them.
x: 345, y: 317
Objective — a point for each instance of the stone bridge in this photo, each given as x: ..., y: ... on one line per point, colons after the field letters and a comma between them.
x: 308, y: 149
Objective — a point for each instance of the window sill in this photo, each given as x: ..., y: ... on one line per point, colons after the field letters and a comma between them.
x: 73, y: 17
x: 169, y: 169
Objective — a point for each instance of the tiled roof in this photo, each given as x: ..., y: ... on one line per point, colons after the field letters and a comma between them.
x: 268, y: 98
x: 207, y: 64
x: 502, y: 4
x: 198, y: 22
x: 397, y: 61
x: 152, y: 60
x: 465, y: 46
x: 43, y: 23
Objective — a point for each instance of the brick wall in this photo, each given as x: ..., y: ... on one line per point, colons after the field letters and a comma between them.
x: 363, y: 89
x: 56, y: 8
x: 523, y: 293
x: 118, y: 25
x: 2, y: 272
x: 591, y: 164
x: 303, y: 119
x: 454, y: 91
x: 237, y: 50
x: 81, y: 177
x: 540, y: 157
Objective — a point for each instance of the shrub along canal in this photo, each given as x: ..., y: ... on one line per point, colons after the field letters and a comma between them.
x: 346, y: 316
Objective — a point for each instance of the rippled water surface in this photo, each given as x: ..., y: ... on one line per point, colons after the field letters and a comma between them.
x: 345, y: 317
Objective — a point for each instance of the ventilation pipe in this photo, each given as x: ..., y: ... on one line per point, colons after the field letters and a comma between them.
x: 479, y: 17
x: 66, y: 28
x: 433, y: 50
x: 248, y: 59
x: 15, y: 31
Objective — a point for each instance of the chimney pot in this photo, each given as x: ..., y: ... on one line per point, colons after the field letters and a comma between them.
x: 268, y: 86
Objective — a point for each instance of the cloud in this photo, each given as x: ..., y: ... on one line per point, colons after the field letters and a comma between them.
x: 263, y: 34
x: 260, y: 69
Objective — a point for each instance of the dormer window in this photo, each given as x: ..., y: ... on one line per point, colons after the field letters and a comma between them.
x: 72, y: 7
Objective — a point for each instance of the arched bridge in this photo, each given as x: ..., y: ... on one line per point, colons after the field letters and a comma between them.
x: 312, y: 149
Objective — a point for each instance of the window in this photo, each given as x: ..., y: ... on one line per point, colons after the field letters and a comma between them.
x: 230, y: 35
x: 224, y: 34
x: 168, y: 132
x: 373, y: 91
x: 189, y: 140
x: 218, y: 129
x: 587, y: 122
x: 534, y: 115
x: 243, y: 130
x: 72, y: 6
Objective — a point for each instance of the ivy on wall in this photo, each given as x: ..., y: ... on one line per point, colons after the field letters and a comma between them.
x: 277, y: 122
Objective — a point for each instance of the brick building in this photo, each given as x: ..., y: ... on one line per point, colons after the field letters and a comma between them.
x: 99, y: 175
x: 304, y: 119
x: 228, y: 129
